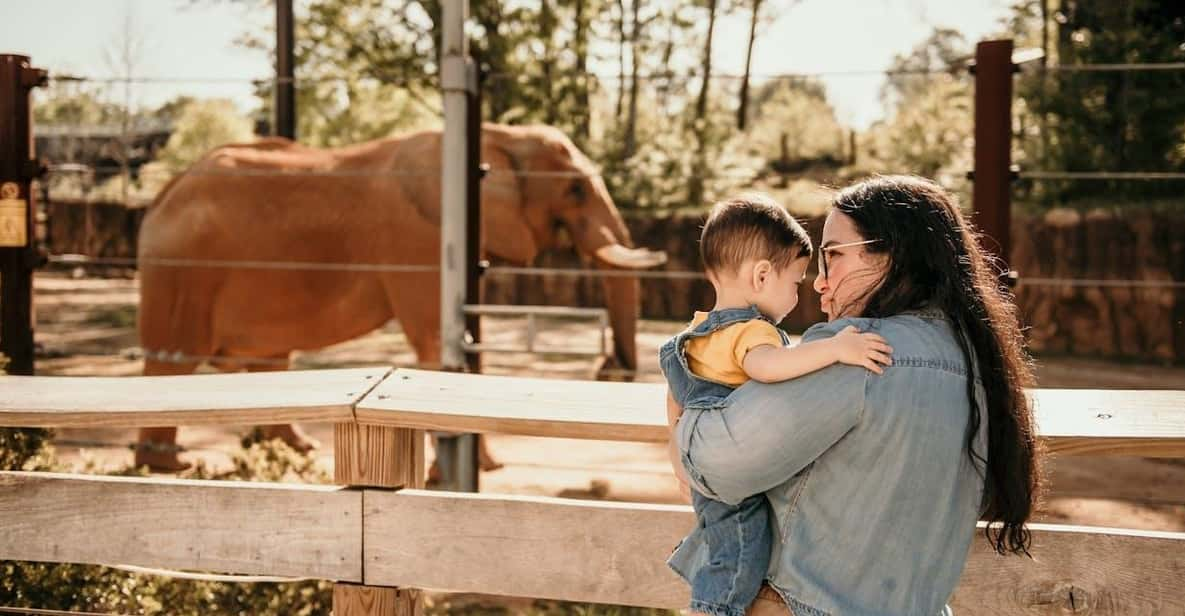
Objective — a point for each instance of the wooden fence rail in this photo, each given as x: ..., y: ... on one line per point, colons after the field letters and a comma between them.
x: 382, y: 545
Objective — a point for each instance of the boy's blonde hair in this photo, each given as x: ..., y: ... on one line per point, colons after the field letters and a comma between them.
x: 751, y: 226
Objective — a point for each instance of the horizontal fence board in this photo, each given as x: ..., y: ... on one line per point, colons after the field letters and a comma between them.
x: 1072, y: 422
x: 1080, y: 570
x: 516, y: 405
x: 249, y: 398
x: 1148, y: 423
x: 223, y: 526
x: 615, y: 552
x: 548, y: 548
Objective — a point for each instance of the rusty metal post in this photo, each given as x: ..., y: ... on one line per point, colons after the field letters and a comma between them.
x: 285, y: 86
x: 474, y: 264
x: 18, y: 254
x: 992, y: 195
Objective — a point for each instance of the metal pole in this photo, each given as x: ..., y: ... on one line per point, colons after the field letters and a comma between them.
x: 458, y: 83
x: 992, y: 195
x: 474, y: 264
x: 17, y: 248
x: 285, y: 86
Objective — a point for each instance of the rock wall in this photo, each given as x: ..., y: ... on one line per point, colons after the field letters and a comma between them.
x: 1139, y: 323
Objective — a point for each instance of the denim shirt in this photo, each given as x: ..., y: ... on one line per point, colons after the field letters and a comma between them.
x: 874, y: 496
x: 690, y: 390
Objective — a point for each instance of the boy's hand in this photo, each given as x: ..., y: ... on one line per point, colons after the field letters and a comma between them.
x: 862, y: 349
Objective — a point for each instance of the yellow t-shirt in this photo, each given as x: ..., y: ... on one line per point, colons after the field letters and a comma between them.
x: 720, y: 355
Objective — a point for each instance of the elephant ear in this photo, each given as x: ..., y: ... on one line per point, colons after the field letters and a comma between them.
x: 506, y: 232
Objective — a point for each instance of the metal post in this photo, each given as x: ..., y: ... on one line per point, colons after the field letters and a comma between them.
x: 992, y: 196
x: 474, y: 264
x: 458, y: 78
x: 285, y: 86
x: 17, y: 248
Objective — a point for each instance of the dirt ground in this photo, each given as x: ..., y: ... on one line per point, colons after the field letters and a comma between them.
x: 86, y: 327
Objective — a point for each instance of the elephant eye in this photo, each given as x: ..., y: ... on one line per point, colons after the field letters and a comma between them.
x: 576, y: 191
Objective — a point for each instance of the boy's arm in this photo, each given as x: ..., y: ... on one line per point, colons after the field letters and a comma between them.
x: 770, y: 364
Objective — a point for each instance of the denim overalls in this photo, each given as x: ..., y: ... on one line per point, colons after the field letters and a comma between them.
x: 738, y: 536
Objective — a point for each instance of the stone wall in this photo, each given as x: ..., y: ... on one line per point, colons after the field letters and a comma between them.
x: 1143, y: 323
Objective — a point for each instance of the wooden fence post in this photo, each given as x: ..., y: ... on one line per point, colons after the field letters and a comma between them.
x: 992, y: 193
x: 377, y: 457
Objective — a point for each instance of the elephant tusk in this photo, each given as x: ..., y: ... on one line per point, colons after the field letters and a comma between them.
x: 630, y: 258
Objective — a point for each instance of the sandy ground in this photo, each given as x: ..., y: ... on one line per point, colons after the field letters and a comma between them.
x: 86, y: 326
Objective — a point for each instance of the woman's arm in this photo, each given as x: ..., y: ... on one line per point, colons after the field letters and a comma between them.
x: 771, y: 432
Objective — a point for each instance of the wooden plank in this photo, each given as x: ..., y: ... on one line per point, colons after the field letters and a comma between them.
x: 548, y: 548
x: 224, y: 526
x: 355, y: 600
x: 378, y: 456
x: 1097, y: 571
x: 527, y: 406
x: 1148, y: 423
x: 614, y: 553
x: 1073, y: 422
x: 250, y: 398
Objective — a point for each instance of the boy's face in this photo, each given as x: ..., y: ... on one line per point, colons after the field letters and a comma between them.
x: 776, y: 292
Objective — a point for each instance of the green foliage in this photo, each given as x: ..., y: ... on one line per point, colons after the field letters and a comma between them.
x: 1102, y: 121
x: 25, y: 449
x: 794, y: 122
x: 67, y: 103
x: 200, y: 126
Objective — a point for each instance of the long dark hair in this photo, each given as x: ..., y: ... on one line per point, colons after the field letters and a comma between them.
x: 935, y: 261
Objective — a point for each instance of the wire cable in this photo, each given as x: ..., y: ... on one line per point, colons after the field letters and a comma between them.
x: 1101, y: 175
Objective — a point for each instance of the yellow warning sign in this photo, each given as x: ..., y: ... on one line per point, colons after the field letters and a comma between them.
x: 13, y: 212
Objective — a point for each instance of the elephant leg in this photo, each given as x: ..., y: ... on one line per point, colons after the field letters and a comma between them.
x: 156, y: 448
x: 291, y: 434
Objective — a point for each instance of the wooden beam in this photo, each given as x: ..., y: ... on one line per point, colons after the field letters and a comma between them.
x: 614, y: 553
x: 385, y: 457
x: 355, y: 600
x: 1148, y: 423
x: 1073, y: 422
x: 378, y: 456
x: 548, y: 548
x: 223, y: 526
x: 147, y: 401
x: 525, y: 406
x: 1077, y: 569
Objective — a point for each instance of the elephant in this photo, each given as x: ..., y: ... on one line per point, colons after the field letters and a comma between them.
x: 376, y: 202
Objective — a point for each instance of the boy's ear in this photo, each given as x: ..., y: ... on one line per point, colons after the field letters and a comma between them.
x: 761, y: 272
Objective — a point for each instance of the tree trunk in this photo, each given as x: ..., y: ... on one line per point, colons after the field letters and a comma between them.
x: 695, y: 187
x: 635, y: 52
x: 701, y: 103
x: 743, y: 107
x: 583, y: 121
x: 547, y: 34
x: 620, y: 58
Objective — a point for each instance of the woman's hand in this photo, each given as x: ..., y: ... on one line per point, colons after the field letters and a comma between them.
x: 862, y: 349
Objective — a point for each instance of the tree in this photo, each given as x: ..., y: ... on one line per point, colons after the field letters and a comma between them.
x: 200, y: 127
x: 755, y: 19
x: 1112, y: 120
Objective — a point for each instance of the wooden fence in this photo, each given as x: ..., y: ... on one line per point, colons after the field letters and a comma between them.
x: 381, y: 539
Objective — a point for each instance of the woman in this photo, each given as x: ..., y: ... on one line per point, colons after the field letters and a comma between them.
x: 877, y: 482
